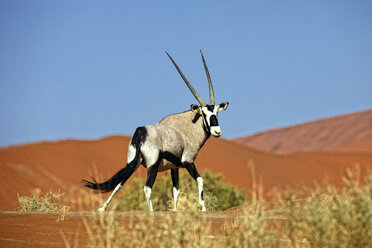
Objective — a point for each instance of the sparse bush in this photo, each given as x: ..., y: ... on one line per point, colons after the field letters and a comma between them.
x: 217, y: 195
x: 104, y: 230
x: 175, y: 229
x: 38, y: 202
x: 330, y: 217
x: 250, y: 229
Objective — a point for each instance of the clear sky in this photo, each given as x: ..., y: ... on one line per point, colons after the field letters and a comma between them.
x: 87, y: 69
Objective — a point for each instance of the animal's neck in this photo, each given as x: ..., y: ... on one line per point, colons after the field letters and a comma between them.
x: 199, y: 127
x: 189, y: 124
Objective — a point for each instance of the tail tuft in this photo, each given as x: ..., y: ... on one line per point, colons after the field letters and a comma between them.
x: 106, y: 186
x: 102, y: 187
x: 120, y: 177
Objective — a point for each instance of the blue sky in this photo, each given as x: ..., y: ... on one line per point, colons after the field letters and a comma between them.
x: 87, y: 69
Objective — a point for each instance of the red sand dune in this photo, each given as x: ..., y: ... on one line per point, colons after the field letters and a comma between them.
x: 314, y: 136
x: 362, y: 145
x: 62, y: 165
x: 57, y: 165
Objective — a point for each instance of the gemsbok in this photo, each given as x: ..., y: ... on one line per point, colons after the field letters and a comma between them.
x: 173, y: 143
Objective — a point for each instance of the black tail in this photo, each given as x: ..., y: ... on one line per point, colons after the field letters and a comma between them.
x: 120, y: 177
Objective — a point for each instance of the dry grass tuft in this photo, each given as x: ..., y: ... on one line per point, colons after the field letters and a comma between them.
x: 330, y: 217
x: 161, y: 229
x: 38, y: 202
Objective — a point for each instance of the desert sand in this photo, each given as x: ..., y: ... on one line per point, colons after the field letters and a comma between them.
x: 63, y: 164
x: 314, y: 136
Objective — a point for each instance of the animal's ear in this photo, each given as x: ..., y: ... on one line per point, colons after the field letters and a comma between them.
x: 223, y: 106
x: 195, y: 108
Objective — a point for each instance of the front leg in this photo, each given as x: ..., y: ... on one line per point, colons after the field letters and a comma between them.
x: 194, y: 173
x: 176, y: 188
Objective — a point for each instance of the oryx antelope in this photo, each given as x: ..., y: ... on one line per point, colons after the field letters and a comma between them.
x: 173, y: 143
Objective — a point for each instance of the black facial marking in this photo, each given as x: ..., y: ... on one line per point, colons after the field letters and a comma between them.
x: 204, y: 116
x: 213, y: 121
x: 206, y: 127
x: 210, y: 107
x: 139, y: 136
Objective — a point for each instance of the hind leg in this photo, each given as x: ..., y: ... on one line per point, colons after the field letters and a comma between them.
x: 176, y: 188
x: 132, y: 166
x: 151, y: 176
x: 104, y: 206
x: 151, y: 156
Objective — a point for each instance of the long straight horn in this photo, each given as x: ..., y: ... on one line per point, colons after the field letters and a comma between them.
x: 202, y: 103
x: 211, y: 92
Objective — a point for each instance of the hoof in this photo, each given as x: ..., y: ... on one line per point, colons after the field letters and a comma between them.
x: 203, y: 209
x: 101, y: 209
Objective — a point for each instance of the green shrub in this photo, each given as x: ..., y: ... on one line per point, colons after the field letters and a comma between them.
x: 217, y: 195
x: 329, y: 217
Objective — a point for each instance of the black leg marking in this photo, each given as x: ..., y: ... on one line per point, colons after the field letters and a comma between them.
x: 190, y: 167
x: 202, y: 195
x: 194, y: 173
x: 152, y: 173
x: 175, y: 178
x: 172, y: 158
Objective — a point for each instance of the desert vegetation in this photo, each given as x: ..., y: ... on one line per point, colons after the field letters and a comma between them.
x: 329, y: 217
x: 39, y: 202
x: 217, y: 195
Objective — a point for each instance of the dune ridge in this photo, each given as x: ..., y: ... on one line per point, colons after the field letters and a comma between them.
x: 315, y: 136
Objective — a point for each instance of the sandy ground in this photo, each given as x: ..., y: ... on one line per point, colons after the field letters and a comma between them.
x: 43, y: 230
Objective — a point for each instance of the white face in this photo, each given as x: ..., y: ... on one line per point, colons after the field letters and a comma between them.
x: 210, y: 114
